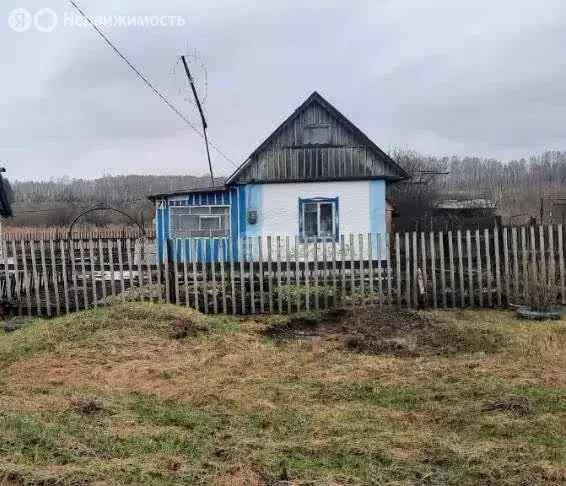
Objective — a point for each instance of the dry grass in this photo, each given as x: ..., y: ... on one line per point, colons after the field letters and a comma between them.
x: 117, y: 396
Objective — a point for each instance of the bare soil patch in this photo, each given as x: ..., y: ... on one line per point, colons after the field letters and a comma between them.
x: 401, y: 333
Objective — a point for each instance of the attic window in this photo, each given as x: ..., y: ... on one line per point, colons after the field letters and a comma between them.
x: 316, y: 135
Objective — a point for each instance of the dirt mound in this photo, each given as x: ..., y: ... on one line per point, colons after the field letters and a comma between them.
x: 377, y: 331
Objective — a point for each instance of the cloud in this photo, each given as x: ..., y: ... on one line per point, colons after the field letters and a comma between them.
x: 468, y: 77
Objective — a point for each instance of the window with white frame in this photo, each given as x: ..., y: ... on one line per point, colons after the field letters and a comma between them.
x: 318, y: 219
x: 200, y: 222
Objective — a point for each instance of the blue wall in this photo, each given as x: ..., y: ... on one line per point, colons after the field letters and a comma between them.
x: 238, y: 198
x: 204, y: 249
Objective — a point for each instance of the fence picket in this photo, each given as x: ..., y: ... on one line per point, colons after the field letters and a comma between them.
x: 83, y: 275
x: 166, y: 271
x: 362, y: 268
x: 54, y: 276
x: 379, y: 271
x: 121, y: 268
x: 194, y: 258
x: 222, y: 275
x: 17, y: 280
x: 232, y: 276
x: 92, y: 273
x: 488, y: 267
x: 551, y: 258
x: 516, y: 263
x: 213, y: 258
x: 352, y: 266
x: 270, y: 280
x: 131, y: 267
x: 102, y: 268
x: 408, y: 269
x: 205, y: 277
x: 461, y: 268
x: 325, y: 274
x: 497, y: 266
x: 433, y: 271
x: 288, y: 272
x: 561, y: 264
x: 533, y: 256
x: 44, y: 277
x: 175, y: 264
x: 424, y: 297
x: 110, y: 247
x: 343, y: 268
x: 72, y: 257
x: 279, y: 296
x: 65, y: 276
x: 260, y: 273
x: 442, y: 269
x: 141, y: 278
x: 297, y: 273
x: 26, y: 277
x: 507, y: 266
x: 470, y: 269
x: 398, y: 269
x: 415, y: 282
x: 479, y: 267
x: 542, y: 253
x: 185, y: 258
x: 306, y: 271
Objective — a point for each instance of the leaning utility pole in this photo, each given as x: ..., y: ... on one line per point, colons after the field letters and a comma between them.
x: 204, y: 124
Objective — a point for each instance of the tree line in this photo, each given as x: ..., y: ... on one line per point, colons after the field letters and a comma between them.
x: 516, y: 186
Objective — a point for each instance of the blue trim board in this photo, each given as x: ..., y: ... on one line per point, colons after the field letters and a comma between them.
x: 377, y: 211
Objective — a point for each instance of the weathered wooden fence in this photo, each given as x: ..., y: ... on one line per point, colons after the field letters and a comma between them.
x: 486, y: 268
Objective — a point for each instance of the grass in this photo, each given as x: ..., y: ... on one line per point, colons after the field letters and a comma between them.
x: 118, y: 395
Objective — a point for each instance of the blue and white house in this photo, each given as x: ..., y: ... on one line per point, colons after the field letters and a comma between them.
x: 315, y: 178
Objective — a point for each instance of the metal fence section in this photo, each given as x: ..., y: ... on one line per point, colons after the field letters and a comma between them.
x: 282, y: 274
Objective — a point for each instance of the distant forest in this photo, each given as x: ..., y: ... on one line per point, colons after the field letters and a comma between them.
x: 516, y: 187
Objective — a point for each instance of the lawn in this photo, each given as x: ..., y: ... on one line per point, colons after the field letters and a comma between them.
x: 159, y: 395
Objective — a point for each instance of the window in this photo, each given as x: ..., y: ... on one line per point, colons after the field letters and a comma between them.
x: 200, y: 222
x: 316, y: 135
x: 318, y: 219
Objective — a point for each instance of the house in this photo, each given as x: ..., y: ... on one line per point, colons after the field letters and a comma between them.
x: 315, y: 178
x: 464, y: 214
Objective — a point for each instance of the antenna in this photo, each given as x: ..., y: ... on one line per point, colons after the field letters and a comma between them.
x: 203, y: 119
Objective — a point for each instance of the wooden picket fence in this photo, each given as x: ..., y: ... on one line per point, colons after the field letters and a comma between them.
x: 459, y: 269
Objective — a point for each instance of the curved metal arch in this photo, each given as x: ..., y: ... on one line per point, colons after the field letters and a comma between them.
x: 104, y: 208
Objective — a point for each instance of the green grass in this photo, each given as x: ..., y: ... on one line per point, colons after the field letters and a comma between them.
x: 113, y: 396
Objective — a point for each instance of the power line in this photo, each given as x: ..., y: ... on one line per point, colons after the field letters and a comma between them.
x: 147, y: 82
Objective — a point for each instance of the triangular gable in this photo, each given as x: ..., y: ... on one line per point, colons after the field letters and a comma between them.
x: 286, y: 156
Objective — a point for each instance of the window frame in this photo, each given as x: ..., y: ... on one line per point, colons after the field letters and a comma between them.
x: 335, y: 219
x: 186, y: 211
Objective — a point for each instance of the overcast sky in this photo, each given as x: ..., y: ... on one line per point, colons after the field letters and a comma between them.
x: 466, y: 77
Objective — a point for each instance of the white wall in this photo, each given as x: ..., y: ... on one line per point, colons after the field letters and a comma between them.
x: 281, y: 205
x: 280, y: 215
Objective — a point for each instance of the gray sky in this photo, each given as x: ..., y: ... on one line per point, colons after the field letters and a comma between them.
x: 466, y: 77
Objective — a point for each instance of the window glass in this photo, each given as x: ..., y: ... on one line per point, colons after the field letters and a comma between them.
x: 200, y: 222
x: 318, y: 218
x: 326, y: 219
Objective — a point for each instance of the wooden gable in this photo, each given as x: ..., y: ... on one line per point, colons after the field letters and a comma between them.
x: 317, y: 143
